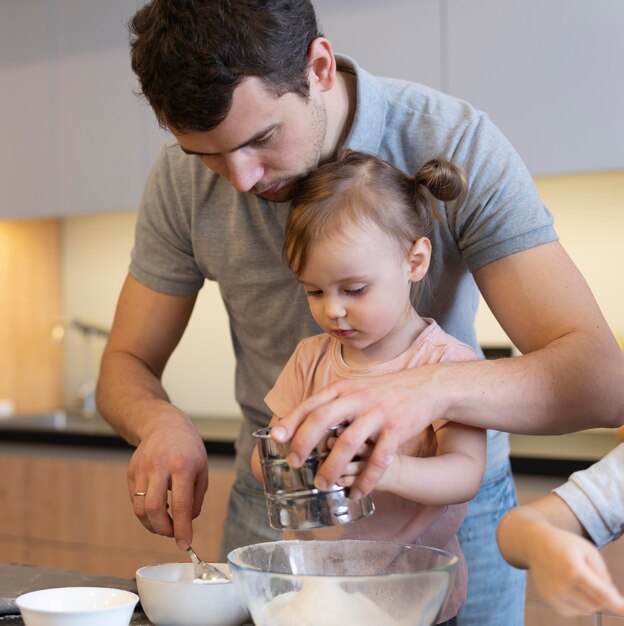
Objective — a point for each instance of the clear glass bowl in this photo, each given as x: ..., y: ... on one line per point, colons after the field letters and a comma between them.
x: 342, y: 583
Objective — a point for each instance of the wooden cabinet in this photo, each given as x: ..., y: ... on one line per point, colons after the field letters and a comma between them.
x: 540, y: 615
x: 536, y: 612
x: 30, y: 305
x: 69, y: 508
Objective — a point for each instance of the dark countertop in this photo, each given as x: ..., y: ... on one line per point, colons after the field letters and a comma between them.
x: 138, y: 619
x: 69, y: 428
x: 561, y: 455
x: 17, y: 579
x: 549, y: 455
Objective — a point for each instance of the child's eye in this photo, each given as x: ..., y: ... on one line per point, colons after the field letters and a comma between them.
x: 312, y: 293
x: 263, y: 141
x: 358, y: 291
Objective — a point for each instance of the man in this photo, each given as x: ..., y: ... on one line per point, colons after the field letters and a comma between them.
x: 255, y: 99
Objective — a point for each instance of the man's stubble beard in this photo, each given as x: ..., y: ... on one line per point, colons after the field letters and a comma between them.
x: 319, y: 121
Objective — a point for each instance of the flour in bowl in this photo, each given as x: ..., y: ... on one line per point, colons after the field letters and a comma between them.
x: 322, y: 602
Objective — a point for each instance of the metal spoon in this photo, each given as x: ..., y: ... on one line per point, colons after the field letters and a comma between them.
x: 206, y: 571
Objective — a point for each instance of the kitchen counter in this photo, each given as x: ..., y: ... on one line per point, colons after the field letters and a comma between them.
x: 69, y: 428
x: 560, y: 455
x: 551, y: 455
x: 138, y: 619
x: 17, y: 579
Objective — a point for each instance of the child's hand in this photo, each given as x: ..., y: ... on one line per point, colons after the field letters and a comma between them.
x: 571, y: 575
x: 355, y: 467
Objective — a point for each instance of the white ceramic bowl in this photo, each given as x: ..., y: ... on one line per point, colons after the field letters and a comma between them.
x: 170, y: 597
x: 77, y: 606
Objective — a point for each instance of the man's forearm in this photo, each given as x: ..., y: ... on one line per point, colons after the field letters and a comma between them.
x: 570, y: 375
x: 129, y: 396
x: 572, y: 384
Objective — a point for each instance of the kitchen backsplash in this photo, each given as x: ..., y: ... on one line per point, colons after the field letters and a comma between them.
x: 96, y: 254
x: 589, y: 216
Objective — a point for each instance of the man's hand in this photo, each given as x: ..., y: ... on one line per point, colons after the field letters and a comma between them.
x: 386, y: 410
x: 171, y: 467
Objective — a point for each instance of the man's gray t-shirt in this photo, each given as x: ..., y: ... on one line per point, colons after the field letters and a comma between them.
x: 193, y: 225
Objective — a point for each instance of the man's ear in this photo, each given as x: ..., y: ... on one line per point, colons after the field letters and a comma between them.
x: 322, y: 64
x: 418, y: 259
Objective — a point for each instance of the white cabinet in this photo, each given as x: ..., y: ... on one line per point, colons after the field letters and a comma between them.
x: 28, y: 176
x: 103, y: 133
x: 398, y: 38
x: 76, y: 138
x: 548, y: 74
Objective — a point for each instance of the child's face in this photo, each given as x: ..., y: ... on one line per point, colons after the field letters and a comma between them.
x: 358, y: 287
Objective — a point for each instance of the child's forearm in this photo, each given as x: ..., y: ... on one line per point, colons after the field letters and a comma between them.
x: 568, y: 571
x: 526, y: 528
x: 256, y: 466
x: 446, y: 479
x: 519, y: 532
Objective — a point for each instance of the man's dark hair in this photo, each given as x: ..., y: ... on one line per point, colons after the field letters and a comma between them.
x: 190, y: 55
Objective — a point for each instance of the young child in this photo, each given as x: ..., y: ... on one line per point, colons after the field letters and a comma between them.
x: 556, y: 538
x: 357, y: 238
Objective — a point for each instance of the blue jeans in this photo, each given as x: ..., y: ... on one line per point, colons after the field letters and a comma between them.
x: 495, y: 589
x: 247, y: 519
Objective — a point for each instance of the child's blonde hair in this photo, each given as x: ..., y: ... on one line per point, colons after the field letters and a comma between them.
x: 361, y: 188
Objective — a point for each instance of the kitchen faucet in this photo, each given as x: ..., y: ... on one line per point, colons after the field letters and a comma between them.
x: 85, y: 393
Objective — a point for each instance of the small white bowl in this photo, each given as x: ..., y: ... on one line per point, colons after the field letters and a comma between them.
x: 172, y: 596
x: 77, y: 606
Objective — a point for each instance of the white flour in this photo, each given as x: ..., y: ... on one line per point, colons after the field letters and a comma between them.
x: 218, y: 581
x: 322, y: 602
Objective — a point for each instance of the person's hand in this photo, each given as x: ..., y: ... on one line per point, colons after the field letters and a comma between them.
x: 357, y: 464
x: 423, y: 445
x: 170, y: 467
x: 384, y: 411
x: 571, y: 575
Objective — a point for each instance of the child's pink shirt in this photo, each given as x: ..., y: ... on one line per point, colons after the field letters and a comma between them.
x: 316, y: 362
